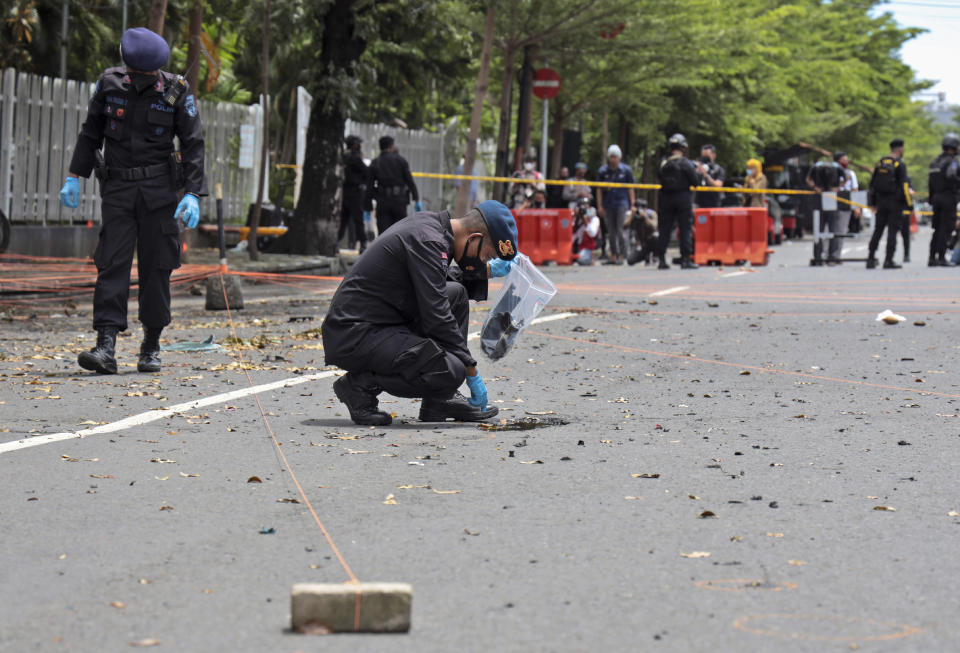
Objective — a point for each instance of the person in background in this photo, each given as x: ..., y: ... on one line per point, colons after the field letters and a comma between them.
x: 613, y: 204
x: 538, y: 201
x: 889, y: 195
x: 944, y: 180
x: 520, y: 192
x: 756, y: 180
x: 646, y: 238
x: 555, y: 191
x: 711, y: 174
x: 355, y: 174
x: 586, y: 227
x: 391, y: 184
x: 577, y: 189
x: 826, y: 177
x: 849, y: 214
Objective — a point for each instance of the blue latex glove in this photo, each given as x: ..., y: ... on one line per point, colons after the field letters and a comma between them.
x: 478, y: 391
x: 188, y: 210
x: 418, y: 205
x: 500, y: 268
x: 367, y: 217
x: 70, y: 193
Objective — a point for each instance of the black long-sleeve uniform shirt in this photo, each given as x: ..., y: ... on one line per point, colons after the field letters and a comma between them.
x: 138, y: 128
x: 399, y: 282
x: 356, y: 173
x: 390, y: 180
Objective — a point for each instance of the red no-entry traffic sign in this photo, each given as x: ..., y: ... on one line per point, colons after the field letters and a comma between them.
x: 546, y: 83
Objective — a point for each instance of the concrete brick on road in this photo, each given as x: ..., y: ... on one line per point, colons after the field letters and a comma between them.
x: 384, y: 607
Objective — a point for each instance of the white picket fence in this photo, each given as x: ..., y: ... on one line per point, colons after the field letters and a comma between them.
x: 40, y: 118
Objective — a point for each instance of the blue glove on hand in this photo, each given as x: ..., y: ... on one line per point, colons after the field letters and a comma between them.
x: 367, y: 217
x: 500, y: 268
x: 188, y: 210
x: 70, y: 193
x: 478, y: 391
x: 418, y: 205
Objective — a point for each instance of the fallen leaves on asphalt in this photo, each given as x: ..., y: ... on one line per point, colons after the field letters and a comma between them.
x: 696, y: 554
x: 644, y: 475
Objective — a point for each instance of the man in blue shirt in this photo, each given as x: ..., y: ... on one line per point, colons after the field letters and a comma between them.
x: 614, y: 203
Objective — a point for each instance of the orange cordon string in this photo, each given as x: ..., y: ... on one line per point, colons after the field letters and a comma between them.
x: 286, y: 463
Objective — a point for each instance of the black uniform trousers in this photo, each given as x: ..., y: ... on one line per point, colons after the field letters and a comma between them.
x: 944, y: 217
x: 351, y: 214
x: 407, y: 363
x: 889, y: 217
x: 676, y: 211
x: 130, y: 225
x: 389, y: 212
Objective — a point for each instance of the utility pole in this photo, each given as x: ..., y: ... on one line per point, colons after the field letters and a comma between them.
x: 265, y: 147
x: 123, y: 22
x: 64, y: 26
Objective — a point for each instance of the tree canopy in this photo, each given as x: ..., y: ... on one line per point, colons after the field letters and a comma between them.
x: 745, y: 75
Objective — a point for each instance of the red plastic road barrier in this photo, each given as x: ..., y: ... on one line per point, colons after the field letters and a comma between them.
x: 545, y: 235
x: 914, y: 227
x: 729, y: 236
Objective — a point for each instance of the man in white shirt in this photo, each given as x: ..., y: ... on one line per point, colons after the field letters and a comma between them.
x: 849, y: 183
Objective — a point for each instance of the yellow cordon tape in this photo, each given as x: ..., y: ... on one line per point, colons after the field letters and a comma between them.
x: 610, y: 184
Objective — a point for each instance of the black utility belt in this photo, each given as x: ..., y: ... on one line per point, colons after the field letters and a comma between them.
x: 392, y: 191
x: 138, y: 174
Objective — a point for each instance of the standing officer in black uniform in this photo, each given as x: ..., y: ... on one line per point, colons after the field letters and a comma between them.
x: 890, y: 194
x: 398, y: 321
x: 355, y: 176
x: 391, y: 184
x: 944, y: 189
x: 677, y: 175
x: 137, y: 110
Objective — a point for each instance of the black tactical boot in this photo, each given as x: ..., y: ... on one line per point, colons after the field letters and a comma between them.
x: 871, y: 262
x: 687, y: 264
x: 932, y: 262
x: 359, y: 394
x: 150, y: 351
x: 890, y: 265
x: 663, y: 264
x: 101, y: 358
x: 457, y: 408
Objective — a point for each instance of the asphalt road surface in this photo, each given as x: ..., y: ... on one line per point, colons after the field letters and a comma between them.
x: 751, y: 462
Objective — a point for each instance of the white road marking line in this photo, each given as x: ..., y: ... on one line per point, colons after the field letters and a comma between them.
x: 859, y: 249
x: 154, y: 415
x: 538, y: 320
x: 169, y: 411
x: 669, y: 291
x: 734, y: 274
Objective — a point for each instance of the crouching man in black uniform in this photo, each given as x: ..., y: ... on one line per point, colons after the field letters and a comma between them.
x: 137, y: 110
x: 398, y: 321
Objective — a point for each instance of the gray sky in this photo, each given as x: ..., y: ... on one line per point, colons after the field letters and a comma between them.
x: 934, y: 54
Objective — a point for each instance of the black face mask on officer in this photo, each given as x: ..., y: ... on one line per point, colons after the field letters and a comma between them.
x: 473, y: 266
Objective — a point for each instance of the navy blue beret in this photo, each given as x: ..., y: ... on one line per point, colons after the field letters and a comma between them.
x: 144, y: 50
x: 502, y: 228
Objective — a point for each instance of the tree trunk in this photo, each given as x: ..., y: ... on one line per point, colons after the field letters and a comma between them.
x: 503, y: 136
x: 606, y: 128
x: 193, y: 49
x: 313, y: 227
x: 156, y: 16
x: 524, y: 108
x: 556, y: 156
x: 265, y: 146
x: 463, y: 192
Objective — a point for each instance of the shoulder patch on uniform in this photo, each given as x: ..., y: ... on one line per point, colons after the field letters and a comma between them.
x: 190, y: 106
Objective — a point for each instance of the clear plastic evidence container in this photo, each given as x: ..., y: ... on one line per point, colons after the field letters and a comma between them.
x: 524, y: 294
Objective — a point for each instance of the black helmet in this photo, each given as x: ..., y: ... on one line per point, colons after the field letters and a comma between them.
x: 352, y: 140
x: 678, y: 141
x: 951, y: 141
